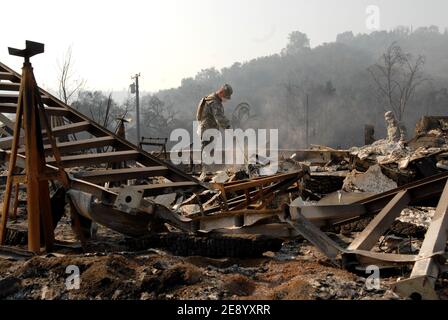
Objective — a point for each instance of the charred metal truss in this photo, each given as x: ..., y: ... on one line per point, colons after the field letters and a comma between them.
x: 93, y: 150
x: 86, y: 145
x: 427, y: 264
x: 89, y: 151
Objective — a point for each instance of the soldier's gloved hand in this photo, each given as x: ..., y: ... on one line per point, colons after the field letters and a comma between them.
x: 228, y: 126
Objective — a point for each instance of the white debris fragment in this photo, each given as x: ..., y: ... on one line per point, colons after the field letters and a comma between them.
x: 383, y: 151
x: 166, y: 199
x: 220, y: 177
x: 442, y: 164
x: 419, y: 216
x: 189, y: 209
x: 373, y: 180
x: 257, y: 159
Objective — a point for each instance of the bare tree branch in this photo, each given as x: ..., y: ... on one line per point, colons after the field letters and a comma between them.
x: 396, y: 78
x: 68, y: 87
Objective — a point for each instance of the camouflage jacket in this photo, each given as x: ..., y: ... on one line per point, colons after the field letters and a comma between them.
x: 212, y: 116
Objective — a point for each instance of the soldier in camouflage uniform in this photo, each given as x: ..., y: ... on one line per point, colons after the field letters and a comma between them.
x: 210, y: 113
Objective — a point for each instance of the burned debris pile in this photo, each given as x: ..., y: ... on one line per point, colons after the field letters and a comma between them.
x: 120, y: 212
x: 407, y: 161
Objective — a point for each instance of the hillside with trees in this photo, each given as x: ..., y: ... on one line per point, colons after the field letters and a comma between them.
x: 342, y: 81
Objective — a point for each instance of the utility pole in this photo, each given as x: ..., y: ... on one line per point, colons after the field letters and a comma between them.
x: 135, y: 89
x: 307, y: 121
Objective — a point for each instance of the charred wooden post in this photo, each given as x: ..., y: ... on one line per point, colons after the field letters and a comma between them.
x: 369, y: 134
x: 120, y: 132
x: 30, y: 113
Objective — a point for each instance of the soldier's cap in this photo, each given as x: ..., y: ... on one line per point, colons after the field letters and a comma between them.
x: 389, y: 115
x: 227, y: 91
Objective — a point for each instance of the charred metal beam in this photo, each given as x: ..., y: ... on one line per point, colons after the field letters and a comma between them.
x: 78, y: 145
x: 428, y: 188
x: 5, y: 86
x: 367, y: 239
x: 427, y: 268
x: 12, y: 108
x: 12, y: 98
x: 70, y: 128
x: 8, y: 76
x: 102, y: 176
x: 155, y: 189
x: 96, y: 158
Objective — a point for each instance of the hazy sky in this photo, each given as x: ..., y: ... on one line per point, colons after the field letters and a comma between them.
x: 168, y: 40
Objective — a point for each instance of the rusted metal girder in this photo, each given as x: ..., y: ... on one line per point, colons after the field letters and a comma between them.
x: 427, y: 263
x: 368, y: 238
x: 331, y: 249
x: 11, y: 108
x: 427, y: 268
x: 428, y: 188
x: 265, y: 190
x: 109, y: 175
